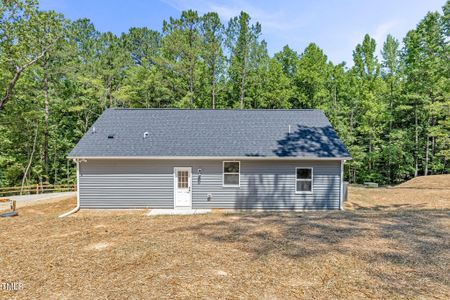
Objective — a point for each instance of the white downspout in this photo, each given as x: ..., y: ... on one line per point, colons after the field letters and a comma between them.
x: 77, y: 208
x: 341, y: 202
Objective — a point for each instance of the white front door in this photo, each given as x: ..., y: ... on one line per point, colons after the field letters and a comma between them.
x: 183, y: 187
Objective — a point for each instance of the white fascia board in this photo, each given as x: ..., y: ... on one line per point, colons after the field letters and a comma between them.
x: 212, y: 157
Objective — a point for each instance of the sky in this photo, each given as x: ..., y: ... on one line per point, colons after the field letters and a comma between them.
x: 336, y: 26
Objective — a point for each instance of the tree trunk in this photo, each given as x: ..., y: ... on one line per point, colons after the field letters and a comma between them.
x: 55, y: 177
x: 351, y: 120
x: 391, y: 114
x: 370, y: 153
x: 350, y: 175
x: 46, y: 122
x: 427, y: 156
x: 191, y: 79
x: 213, y: 86
x: 30, y: 160
x: 416, y: 158
x: 110, y: 92
x: 214, y: 94
x: 191, y: 86
x: 433, y: 145
x: 192, y: 59
x: 242, y: 95
x: 243, y: 78
x: 335, y: 105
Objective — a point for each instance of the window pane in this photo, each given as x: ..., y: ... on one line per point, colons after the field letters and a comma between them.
x: 231, y: 179
x: 182, y: 179
x: 304, y: 173
x: 303, y: 186
x: 231, y: 167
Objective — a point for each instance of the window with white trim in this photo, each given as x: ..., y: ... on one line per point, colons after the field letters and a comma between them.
x: 231, y: 173
x: 303, y: 180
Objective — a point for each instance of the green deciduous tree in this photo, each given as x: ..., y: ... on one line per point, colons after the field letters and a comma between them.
x: 311, y: 76
x: 27, y: 35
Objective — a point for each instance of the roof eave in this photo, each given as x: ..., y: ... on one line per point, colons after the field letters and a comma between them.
x: 214, y: 157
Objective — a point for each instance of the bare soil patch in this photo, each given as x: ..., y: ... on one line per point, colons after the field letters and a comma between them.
x: 378, y: 248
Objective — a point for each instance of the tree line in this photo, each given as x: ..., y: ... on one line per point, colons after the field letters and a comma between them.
x: 58, y: 75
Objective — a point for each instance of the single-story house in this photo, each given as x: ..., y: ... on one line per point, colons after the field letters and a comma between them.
x: 206, y: 159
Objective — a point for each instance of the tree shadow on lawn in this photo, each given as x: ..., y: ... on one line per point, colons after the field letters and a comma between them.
x: 378, y: 207
x: 411, y: 239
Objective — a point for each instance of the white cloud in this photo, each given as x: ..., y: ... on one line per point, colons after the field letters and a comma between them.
x: 383, y: 30
x: 224, y: 12
x: 277, y: 20
x: 282, y: 23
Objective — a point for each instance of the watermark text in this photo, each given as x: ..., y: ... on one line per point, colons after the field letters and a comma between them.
x: 11, y: 286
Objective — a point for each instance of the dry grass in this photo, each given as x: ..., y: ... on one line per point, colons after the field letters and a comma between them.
x: 393, y: 199
x: 427, y: 182
x: 425, y: 192
x: 371, y: 252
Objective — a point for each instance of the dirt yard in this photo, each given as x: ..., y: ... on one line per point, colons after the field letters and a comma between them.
x: 389, y: 243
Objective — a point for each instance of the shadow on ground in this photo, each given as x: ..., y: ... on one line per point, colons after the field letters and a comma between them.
x: 378, y: 207
x: 414, y: 243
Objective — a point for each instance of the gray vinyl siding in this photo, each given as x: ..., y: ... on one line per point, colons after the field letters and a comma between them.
x: 263, y: 184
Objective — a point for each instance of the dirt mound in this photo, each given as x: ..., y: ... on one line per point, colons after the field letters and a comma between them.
x: 398, y: 198
x: 428, y: 182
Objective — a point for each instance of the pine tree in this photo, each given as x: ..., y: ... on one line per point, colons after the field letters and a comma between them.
x: 245, y: 48
x: 181, y: 47
x: 213, y: 38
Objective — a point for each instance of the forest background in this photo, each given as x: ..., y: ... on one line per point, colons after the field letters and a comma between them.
x: 57, y: 76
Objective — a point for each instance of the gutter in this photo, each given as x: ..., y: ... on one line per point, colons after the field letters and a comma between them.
x: 309, y: 158
x: 77, y: 208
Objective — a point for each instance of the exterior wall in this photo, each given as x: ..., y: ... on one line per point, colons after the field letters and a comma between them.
x: 263, y: 184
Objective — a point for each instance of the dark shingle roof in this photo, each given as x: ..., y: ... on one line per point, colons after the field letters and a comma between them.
x: 224, y: 133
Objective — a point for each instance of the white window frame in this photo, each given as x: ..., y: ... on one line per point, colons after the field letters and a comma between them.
x: 238, y: 173
x: 296, y: 179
